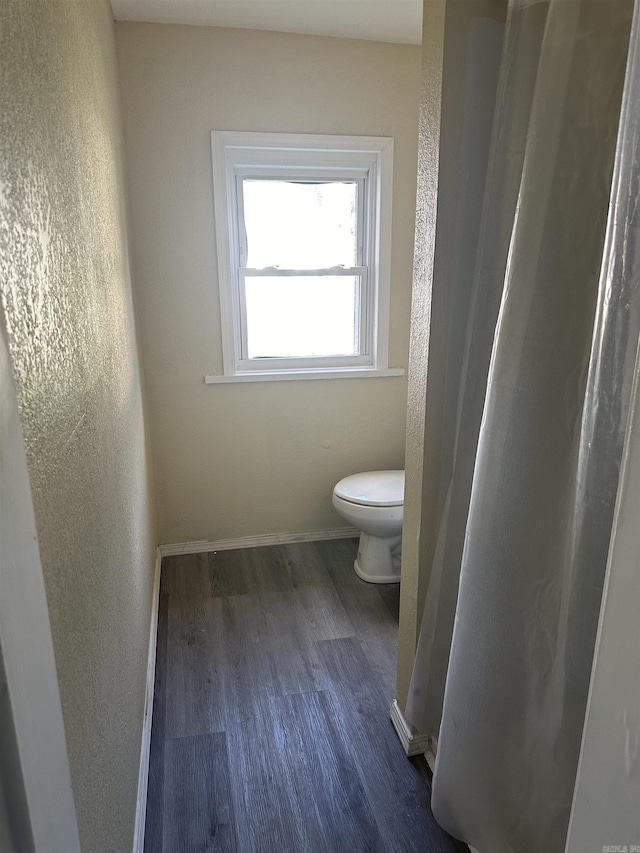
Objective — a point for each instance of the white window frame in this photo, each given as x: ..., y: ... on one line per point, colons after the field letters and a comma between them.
x: 365, y: 159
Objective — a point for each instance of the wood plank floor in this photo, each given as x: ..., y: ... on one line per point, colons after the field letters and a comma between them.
x: 271, y: 733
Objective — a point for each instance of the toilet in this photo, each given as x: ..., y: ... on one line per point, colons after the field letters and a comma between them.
x: 374, y: 502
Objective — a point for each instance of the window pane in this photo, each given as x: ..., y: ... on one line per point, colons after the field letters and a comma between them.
x: 301, y: 316
x: 295, y: 225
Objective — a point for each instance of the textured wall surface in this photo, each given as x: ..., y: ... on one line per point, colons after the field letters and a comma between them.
x: 419, y: 443
x: 66, y: 294
x: 247, y: 459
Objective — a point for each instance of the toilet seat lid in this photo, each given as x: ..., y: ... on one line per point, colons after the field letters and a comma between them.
x: 373, y: 488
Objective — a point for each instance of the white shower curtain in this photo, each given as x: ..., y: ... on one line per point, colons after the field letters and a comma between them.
x: 503, y: 664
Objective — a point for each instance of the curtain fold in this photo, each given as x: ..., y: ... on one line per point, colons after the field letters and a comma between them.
x: 466, y: 392
x: 504, y: 659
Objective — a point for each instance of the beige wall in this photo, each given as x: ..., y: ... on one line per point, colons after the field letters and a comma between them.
x: 247, y: 459
x: 67, y: 300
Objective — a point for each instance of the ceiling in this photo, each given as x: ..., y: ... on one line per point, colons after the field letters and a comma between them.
x: 377, y: 20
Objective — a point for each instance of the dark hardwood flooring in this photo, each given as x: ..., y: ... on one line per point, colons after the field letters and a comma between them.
x: 271, y: 733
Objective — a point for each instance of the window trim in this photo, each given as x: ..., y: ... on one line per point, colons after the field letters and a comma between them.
x: 236, y: 155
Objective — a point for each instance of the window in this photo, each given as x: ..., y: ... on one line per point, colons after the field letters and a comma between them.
x: 303, y: 226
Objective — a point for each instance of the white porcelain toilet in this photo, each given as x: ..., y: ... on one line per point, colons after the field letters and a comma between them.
x: 374, y: 502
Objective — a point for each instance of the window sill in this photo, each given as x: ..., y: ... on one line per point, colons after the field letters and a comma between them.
x: 316, y: 373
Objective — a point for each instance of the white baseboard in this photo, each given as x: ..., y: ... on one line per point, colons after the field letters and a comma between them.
x: 413, y: 743
x: 143, y: 777
x: 205, y: 545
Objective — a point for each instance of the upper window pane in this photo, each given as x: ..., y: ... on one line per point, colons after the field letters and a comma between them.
x: 300, y: 225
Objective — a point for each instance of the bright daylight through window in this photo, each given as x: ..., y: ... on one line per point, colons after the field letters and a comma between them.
x: 303, y: 226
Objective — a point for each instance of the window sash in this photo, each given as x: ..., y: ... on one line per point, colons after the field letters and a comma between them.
x: 363, y: 357
x: 271, y: 272
x: 364, y: 331
x: 362, y: 179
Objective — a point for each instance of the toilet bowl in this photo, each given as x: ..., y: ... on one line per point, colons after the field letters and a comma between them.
x: 374, y: 502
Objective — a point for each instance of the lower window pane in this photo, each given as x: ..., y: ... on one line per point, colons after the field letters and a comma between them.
x: 301, y: 316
